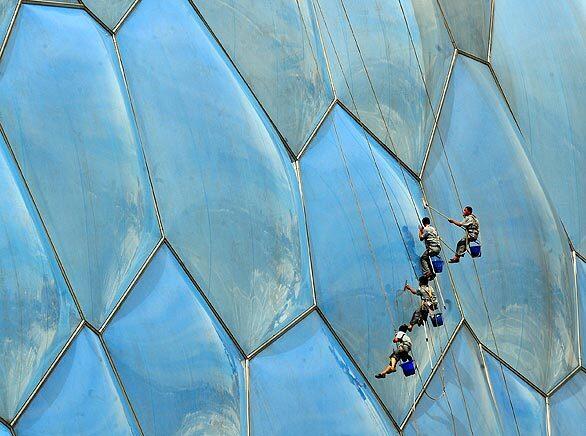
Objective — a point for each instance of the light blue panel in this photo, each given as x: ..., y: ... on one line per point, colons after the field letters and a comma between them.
x: 362, y: 262
x: 226, y: 188
x: 181, y: 371
x: 37, y: 312
x: 539, y: 55
x: 110, y: 12
x: 469, y: 21
x: 304, y: 384
x: 66, y: 114
x: 7, y: 8
x: 458, y: 400
x: 525, y: 270
x: 396, y: 106
x: 277, y: 49
x: 4, y: 431
x: 567, y: 407
x: 581, y: 283
x: 81, y: 396
x: 515, y: 400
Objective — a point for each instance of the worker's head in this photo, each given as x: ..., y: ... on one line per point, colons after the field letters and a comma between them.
x: 423, y: 281
x: 467, y: 211
x: 426, y: 221
x: 403, y: 328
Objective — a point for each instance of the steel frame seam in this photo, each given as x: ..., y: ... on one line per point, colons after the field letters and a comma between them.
x: 439, y: 112
x: 125, y: 16
x: 281, y: 332
x: 316, y: 129
x: 49, y: 371
x: 297, y: 167
x: 325, y: 52
x: 288, y: 148
x: 447, y: 25
x: 358, y: 368
x: 205, y: 298
x: 139, y: 136
x: 130, y: 286
x: 434, y: 370
x: 118, y: 378
x: 45, y: 229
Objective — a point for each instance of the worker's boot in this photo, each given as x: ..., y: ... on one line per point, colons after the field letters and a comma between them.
x: 454, y: 259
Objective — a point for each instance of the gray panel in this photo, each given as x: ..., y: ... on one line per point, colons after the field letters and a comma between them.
x: 362, y: 262
x: 65, y: 110
x: 277, y: 48
x: 182, y: 372
x: 110, y: 12
x: 539, y: 54
x: 81, y: 396
x: 525, y: 271
x: 305, y: 384
x: 469, y: 21
x: 228, y: 194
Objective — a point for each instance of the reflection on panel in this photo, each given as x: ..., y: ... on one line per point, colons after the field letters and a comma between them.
x: 181, y: 371
x: 458, y: 399
x: 567, y: 407
x: 515, y: 401
x: 525, y: 271
x: 581, y: 283
x: 37, y: 313
x: 63, y: 105
x: 398, y: 110
x: 227, y: 191
x: 110, y: 12
x: 362, y: 262
x: 7, y: 8
x: 547, y: 93
x: 81, y: 396
x: 305, y: 384
x: 278, y: 51
x: 469, y: 21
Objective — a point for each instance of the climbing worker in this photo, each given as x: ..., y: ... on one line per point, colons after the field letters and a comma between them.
x: 401, y: 353
x: 428, y: 302
x: 429, y: 235
x: 472, y: 226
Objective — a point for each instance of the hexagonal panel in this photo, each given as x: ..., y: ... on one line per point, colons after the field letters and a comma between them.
x: 277, y: 49
x: 81, y: 395
x: 66, y: 113
x: 363, y: 227
x: 372, y: 54
x: 520, y: 293
x: 307, y: 370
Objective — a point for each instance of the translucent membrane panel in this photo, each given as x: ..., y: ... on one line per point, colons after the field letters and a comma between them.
x: 227, y: 191
x: 519, y: 405
x: 81, y: 396
x: 305, y: 384
x: 567, y: 407
x: 362, y: 263
x: 110, y: 12
x: 527, y: 304
x: 4, y: 431
x: 37, y: 312
x: 376, y: 72
x: 469, y: 21
x: 7, y: 8
x: 459, y: 400
x: 581, y: 283
x: 278, y: 51
x: 181, y: 371
x: 67, y: 117
x: 547, y: 93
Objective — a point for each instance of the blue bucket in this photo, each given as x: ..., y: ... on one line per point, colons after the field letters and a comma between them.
x: 475, y: 249
x: 437, y: 320
x: 438, y: 264
x: 408, y: 368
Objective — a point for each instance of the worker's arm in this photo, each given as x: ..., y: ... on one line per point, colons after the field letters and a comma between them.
x: 410, y: 289
x: 457, y: 223
x: 421, y: 236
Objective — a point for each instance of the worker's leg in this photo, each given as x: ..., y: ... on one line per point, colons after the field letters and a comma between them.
x: 391, y: 367
x: 416, y: 319
x: 460, y: 250
x: 425, y: 261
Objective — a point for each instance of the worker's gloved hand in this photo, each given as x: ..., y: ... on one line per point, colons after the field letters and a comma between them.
x: 451, y: 220
x: 395, y: 340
